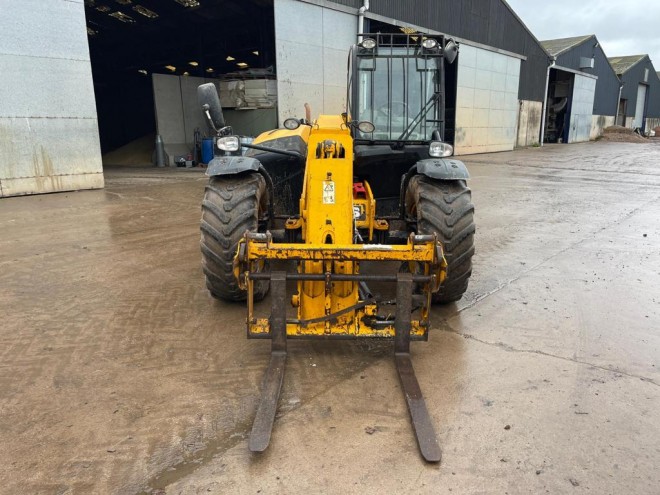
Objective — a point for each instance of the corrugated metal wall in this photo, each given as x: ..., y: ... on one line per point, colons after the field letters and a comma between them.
x: 49, y: 137
x: 607, y: 87
x: 631, y: 81
x: 486, y: 101
x: 489, y: 22
x: 654, y: 97
x: 311, y: 46
x: 584, y: 90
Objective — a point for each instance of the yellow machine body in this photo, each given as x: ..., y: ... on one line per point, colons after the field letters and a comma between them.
x: 303, y: 132
x: 328, y: 302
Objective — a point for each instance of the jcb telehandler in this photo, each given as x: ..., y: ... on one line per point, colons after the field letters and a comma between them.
x: 374, y: 184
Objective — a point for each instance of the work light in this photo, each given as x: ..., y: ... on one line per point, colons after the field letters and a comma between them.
x: 438, y: 149
x: 229, y: 143
x: 368, y: 43
x: 430, y: 43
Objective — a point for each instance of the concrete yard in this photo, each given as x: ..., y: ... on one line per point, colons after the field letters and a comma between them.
x: 120, y: 374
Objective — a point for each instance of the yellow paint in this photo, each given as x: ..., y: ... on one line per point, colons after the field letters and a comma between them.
x: 327, y: 223
x: 326, y: 208
x: 303, y: 132
x: 261, y: 326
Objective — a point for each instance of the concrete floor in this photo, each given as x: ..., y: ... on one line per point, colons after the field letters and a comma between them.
x: 119, y: 374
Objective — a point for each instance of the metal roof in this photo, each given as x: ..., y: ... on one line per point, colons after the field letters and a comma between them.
x: 559, y: 46
x: 622, y: 65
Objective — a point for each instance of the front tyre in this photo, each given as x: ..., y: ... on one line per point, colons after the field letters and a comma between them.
x: 445, y: 208
x: 232, y: 205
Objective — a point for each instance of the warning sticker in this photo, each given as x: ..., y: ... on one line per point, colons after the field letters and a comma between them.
x: 328, y: 192
x: 359, y: 212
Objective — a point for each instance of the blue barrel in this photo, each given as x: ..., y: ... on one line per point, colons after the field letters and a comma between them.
x: 207, y: 150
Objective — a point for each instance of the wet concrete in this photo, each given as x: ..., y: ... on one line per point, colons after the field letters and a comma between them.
x: 119, y: 374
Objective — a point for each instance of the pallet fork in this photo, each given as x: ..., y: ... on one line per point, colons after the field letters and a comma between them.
x: 274, y: 376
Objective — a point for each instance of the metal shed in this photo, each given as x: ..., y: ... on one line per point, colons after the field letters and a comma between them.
x: 501, y: 70
x: 583, y: 90
x: 639, y: 104
x: 117, y: 73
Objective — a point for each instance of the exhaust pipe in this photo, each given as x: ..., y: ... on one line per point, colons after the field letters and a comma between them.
x: 363, y: 9
x: 308, y: 112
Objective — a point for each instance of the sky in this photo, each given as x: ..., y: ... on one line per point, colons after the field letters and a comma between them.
x: 630, y: 27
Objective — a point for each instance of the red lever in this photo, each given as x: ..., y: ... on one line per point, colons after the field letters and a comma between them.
x: 358, y: 189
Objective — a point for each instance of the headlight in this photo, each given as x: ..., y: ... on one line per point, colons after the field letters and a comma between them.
x: 438, y: 149
x: 229, y: 143
x: 430, y: 43
x: 366, y: 127
x: 368, y: 43
x: 292, y: 124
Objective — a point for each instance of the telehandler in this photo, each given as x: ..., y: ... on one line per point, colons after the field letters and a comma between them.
x: 373, y: 185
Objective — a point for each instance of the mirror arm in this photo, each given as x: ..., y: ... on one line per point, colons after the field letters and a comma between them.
x: 209, y: 119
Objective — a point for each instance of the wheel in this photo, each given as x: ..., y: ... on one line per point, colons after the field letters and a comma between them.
x: 232, y: 205
x: 445, y: 208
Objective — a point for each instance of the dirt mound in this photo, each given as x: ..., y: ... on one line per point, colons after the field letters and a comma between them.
x: 136, y: 153
x: 617, y: 129
x: 619, y: 134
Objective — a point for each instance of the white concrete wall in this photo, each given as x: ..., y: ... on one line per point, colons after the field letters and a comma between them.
x: 178, y: 113
x: 312, y: 44
x: 598, y: 123
x: 530, y: 114
x: 487, y: 101
x: 49, y: 138
x: 584, y: 90
x: 651, y: 124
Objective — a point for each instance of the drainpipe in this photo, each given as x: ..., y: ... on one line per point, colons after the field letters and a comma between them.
x: 545, y: 99
x: 363, y: 9
x: 618, y: 105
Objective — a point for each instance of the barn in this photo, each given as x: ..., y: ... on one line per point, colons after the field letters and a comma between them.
x: 87, y: 84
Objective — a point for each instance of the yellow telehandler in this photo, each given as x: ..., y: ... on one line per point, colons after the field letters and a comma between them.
x: 375, y: 184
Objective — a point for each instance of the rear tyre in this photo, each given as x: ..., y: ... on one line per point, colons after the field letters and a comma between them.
x: 232, y: 205
x: 445, y: 208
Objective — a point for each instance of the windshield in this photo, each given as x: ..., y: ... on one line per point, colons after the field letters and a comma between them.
x: 396, y: 92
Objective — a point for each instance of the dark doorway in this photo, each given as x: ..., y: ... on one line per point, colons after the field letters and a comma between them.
x: 559, y: 101
x: 623, y: 108
x: 130, y: 42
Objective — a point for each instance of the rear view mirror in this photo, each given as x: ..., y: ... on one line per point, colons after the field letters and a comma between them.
x: 451, y: 51
x: 208, y: 99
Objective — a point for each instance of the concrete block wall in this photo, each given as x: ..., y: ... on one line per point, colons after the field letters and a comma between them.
x: 651, y: 124
x: 530, y: 114
x: 49, y: 138
x: 487, y: 101
x: 251, y: 122
x: 178, y: 113
x: 599, y: 123
x: 312, y: 45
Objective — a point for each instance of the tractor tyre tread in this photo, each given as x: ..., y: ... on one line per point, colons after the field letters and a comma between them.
x: 230, y: 207
x: 445, y: 208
